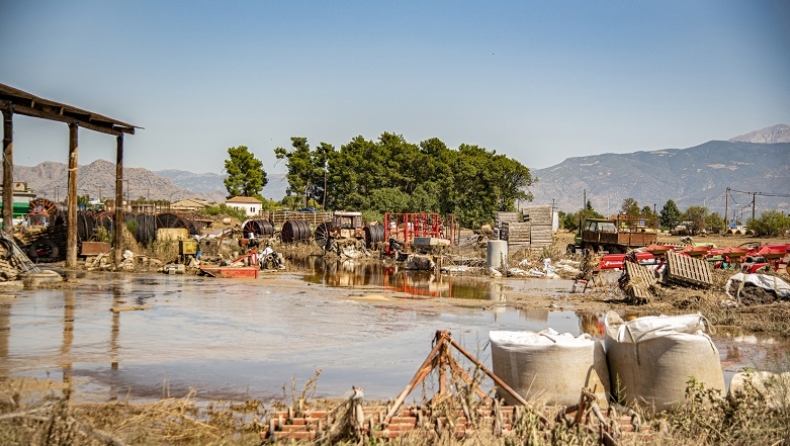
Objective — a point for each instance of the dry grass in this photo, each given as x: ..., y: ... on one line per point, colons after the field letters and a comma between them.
x: 708, y: 419
x: 39, y: 414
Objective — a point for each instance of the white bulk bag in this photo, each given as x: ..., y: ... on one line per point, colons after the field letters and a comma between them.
x: 651, y: 359
x: 549, y: 366
x: 774, y: 387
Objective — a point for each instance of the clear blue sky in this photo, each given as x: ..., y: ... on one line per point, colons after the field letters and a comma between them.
x: 540, y: 81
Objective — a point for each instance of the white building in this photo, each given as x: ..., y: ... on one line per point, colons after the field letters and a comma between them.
x: 251, y: 206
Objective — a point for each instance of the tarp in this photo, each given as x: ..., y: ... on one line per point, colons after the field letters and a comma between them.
x: 765, y: 281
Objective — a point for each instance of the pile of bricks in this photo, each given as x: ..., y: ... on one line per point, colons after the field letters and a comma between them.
x: 315, y: 424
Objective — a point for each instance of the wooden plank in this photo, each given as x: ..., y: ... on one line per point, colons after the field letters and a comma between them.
x: 506, y: 217
x: 688, y: 270
x: 640, y: 279
x: 540, y: 215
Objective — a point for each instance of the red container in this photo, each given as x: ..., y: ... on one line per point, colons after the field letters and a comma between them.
x: 94, y: 248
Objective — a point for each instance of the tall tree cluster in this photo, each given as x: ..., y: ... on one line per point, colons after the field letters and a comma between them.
x: 393, y: 175
x: 246, y: 176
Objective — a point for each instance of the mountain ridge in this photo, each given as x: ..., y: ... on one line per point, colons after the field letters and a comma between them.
x: 696, y: 175
x: 770, y: 135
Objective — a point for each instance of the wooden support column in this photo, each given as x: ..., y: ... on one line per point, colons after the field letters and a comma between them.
x: 119, y: 200
x: 71, y: 224
x: 8, y: 170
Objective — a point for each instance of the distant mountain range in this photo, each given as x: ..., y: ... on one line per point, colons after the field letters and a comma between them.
x: 212, y: 183
x: 97, y: 179
x: 694, y: 176
x: 769, y: 135
x: 755, y: 162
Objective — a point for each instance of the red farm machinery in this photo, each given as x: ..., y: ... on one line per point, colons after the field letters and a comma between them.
x: 402, y: 231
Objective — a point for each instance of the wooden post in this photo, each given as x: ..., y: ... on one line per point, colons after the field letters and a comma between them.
x: 8, y: 170
x: 727, y: 210
x: 119, y: 200
x: 754, y: 203
x: 71, y: 224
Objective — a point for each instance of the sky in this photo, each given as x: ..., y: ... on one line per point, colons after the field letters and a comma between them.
x: 539, y: 81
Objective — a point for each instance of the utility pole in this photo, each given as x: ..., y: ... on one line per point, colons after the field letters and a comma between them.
x: 726, y: 207
x: 754, y: 202
x: 584, y: 205
x: 581, y: 213
x: 655, y: 217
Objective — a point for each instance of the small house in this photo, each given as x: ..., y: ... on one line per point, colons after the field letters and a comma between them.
x: 251, y: 206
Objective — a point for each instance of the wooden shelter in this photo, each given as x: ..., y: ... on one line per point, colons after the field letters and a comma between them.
x: 14, y: 101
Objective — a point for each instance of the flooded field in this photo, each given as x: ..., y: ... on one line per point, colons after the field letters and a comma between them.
x: 367, y: 326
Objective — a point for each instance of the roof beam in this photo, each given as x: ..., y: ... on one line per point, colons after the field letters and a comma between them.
x: 59, y: 116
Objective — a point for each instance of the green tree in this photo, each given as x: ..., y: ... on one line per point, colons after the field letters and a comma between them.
x: 630, y: 206
x: 471, y: 182
x: 670, y: 215
x: 246, y: 176
x: 306, y: 168
x: 714, y: 223
x: 425, y: 198
x: 389, y: 199
x: 696, y: 215
x: 571, y: 221
x: 770, y: 224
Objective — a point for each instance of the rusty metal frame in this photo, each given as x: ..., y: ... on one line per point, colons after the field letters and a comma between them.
x: 441, y: 359
x: 405, y: 226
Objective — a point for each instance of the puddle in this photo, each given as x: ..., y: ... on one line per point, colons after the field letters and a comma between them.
x: 234, y: 339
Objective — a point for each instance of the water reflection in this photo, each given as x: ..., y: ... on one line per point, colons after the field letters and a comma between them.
x: 417, y: 284
x: 5, y: 331
x: 117, y: 301
x: 69, y: 299
x: 232, y: 339
x: 591, y: 323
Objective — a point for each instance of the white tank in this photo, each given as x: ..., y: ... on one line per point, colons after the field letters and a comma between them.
x: 496, y: 254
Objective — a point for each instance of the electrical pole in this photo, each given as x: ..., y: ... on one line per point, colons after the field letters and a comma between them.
x: 584, y: 205
x: 655, y: 217
x: 754, y: 202
x: 726, y: 207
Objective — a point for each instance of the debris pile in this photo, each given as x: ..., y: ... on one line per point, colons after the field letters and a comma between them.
x: 14, y: 264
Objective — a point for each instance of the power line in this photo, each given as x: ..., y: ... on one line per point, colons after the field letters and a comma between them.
x: 766, y: 194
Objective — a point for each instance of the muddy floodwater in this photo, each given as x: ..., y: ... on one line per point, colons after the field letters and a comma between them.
x: 238, y: 338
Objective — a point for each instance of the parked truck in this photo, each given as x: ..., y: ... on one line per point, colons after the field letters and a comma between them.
x: 614, y: 236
